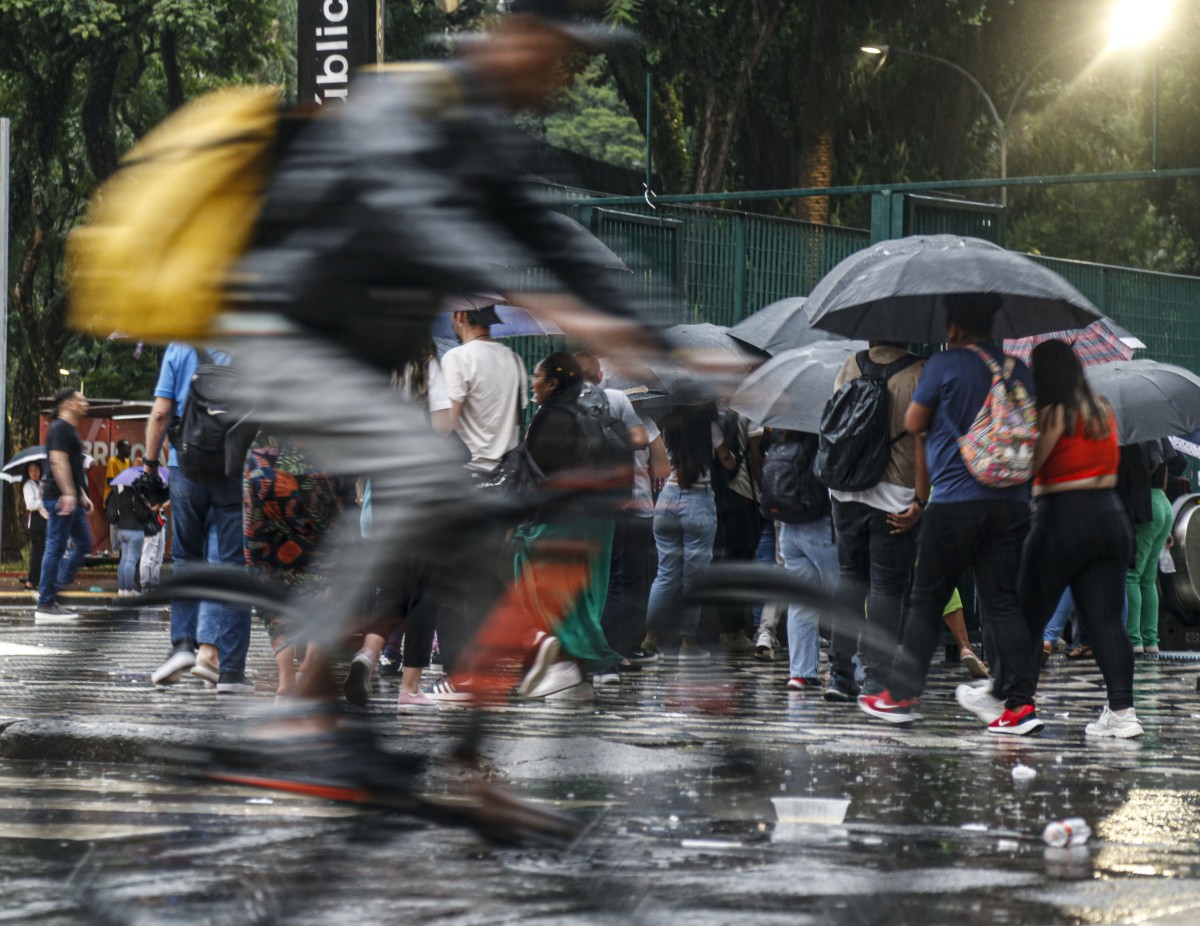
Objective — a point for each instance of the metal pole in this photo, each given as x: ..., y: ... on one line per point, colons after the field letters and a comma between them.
x: 4, y: 210
x: 1001, y: 127
x: 649, y: 126
x: 1154, y: 112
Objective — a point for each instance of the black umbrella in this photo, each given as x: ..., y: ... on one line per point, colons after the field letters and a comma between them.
x: 892, y: 291
x: 791, y: 389
x: 1151, y: 400
x: 14, y: 469
x: 780, y: 326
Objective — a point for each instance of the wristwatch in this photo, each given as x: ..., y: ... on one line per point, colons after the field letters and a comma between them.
x: 920, y: 502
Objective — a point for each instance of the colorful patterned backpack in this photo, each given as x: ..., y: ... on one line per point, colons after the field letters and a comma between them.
x: 998, y: 448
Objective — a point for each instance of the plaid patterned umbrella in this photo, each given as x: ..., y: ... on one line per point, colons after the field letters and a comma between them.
x: 1102, y: 341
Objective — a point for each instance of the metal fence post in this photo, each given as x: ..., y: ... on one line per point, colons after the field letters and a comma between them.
x: 5, y: 169
x: 739, y: 268
x: 887, y: 216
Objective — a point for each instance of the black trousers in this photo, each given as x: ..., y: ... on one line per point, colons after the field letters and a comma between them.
x: 1082, y: 540
x: 37, y: 548
x: 987, y: 536
x: 631, y: 572
x: 739, y: 528
x: 875, y: 566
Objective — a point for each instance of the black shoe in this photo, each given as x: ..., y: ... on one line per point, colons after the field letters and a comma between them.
x: 840, y: 691
x: 390, y: 665
x: 234, y: 683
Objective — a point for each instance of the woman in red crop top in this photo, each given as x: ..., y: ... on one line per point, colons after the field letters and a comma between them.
x: 1080, y: 537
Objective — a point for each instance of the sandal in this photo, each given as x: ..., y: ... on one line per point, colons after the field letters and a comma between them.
x: 1081, y: 652
x: 973, y: 664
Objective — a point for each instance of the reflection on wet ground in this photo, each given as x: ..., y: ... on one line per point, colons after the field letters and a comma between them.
x: 676, y: 770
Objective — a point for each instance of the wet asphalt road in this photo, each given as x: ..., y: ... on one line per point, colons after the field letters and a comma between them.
x: 675, y: 770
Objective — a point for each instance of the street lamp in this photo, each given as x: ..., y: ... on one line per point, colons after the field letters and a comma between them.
x: 1001, y: 129
x: 1135, y: 22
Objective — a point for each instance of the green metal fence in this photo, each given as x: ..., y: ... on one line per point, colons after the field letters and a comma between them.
x: 722, y: 265
x: 1163, y: 309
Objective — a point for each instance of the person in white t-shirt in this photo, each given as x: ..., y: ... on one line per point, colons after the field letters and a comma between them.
x: 485, y: 382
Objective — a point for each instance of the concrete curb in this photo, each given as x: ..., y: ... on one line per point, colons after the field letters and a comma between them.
x: 75, y: 741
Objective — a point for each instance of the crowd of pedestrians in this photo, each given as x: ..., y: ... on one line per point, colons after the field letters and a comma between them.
x: 346, y: 490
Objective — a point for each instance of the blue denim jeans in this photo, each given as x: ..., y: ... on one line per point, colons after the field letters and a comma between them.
x: 810, y: 555
x: 130, y: 543
x: 57, y: 572
x: 685, y: 524
x: 194, y: 507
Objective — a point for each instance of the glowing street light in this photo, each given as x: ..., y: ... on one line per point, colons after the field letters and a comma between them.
x: 1135, y: 22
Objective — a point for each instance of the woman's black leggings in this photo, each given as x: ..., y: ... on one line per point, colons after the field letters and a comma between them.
x: 1083, y: 540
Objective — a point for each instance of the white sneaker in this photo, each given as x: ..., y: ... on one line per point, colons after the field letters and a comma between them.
x: 170, y: 671
x: 54, y: 613
x: 557, y: 678
x: 980, y: 701
x: 764, y: 646
x: 445, y: 690
x: 548, y: 651
x: 1121, y: 724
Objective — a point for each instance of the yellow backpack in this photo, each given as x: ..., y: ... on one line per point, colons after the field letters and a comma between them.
x: 161, y: 234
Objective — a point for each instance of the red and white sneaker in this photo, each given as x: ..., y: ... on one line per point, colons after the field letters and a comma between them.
x: 1017, y: 722
x: 884, y: 707
x: 803, y: 684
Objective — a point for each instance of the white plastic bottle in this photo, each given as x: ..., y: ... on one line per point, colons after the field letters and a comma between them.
x: 1073, y: 831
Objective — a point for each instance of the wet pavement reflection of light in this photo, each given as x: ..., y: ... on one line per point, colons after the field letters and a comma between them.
x: 676, y: 770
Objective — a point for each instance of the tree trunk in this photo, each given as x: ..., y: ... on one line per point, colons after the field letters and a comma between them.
x: 816, y: 170
x: 815, y: 162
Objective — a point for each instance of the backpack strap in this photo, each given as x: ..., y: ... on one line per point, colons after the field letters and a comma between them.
x: 869, y: 367
x: 992, y: 365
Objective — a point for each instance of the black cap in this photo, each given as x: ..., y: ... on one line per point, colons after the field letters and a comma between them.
x: 582, y: 20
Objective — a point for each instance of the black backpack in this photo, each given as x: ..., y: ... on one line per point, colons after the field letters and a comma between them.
x: 855, y: 445
x: 593, y: 400
x: 790, y: 491
x: 605, y: 444
x: 212, y: 434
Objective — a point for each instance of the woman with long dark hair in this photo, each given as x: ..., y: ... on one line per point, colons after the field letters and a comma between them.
x: 1080, y: 537
x: 685, y: 524
x: 31, y: 493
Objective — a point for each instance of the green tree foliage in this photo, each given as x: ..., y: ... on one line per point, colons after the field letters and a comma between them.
x: 81, y: 80
x: 593, y: 120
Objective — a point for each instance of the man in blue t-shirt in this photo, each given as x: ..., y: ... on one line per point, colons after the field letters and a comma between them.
x: 206, y: 525
x: 967, y: 525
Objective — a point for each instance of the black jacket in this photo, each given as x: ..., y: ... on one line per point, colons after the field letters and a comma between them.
x: 126, y: 509
x: 414, y: 190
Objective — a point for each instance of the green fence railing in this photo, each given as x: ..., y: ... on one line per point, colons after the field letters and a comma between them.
x: 721, y: 265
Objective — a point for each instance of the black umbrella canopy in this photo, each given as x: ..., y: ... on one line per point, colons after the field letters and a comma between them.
x: 778, y: 327
x: 1151, y: 400
x: 893, y: 291
x: 791, y: 389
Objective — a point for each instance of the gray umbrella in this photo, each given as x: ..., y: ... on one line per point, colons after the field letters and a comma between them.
x: 707, y: 363
x: 1151, y: 400
x: 780, y: 326
x: 791, y: 389
x: 892, y: 291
